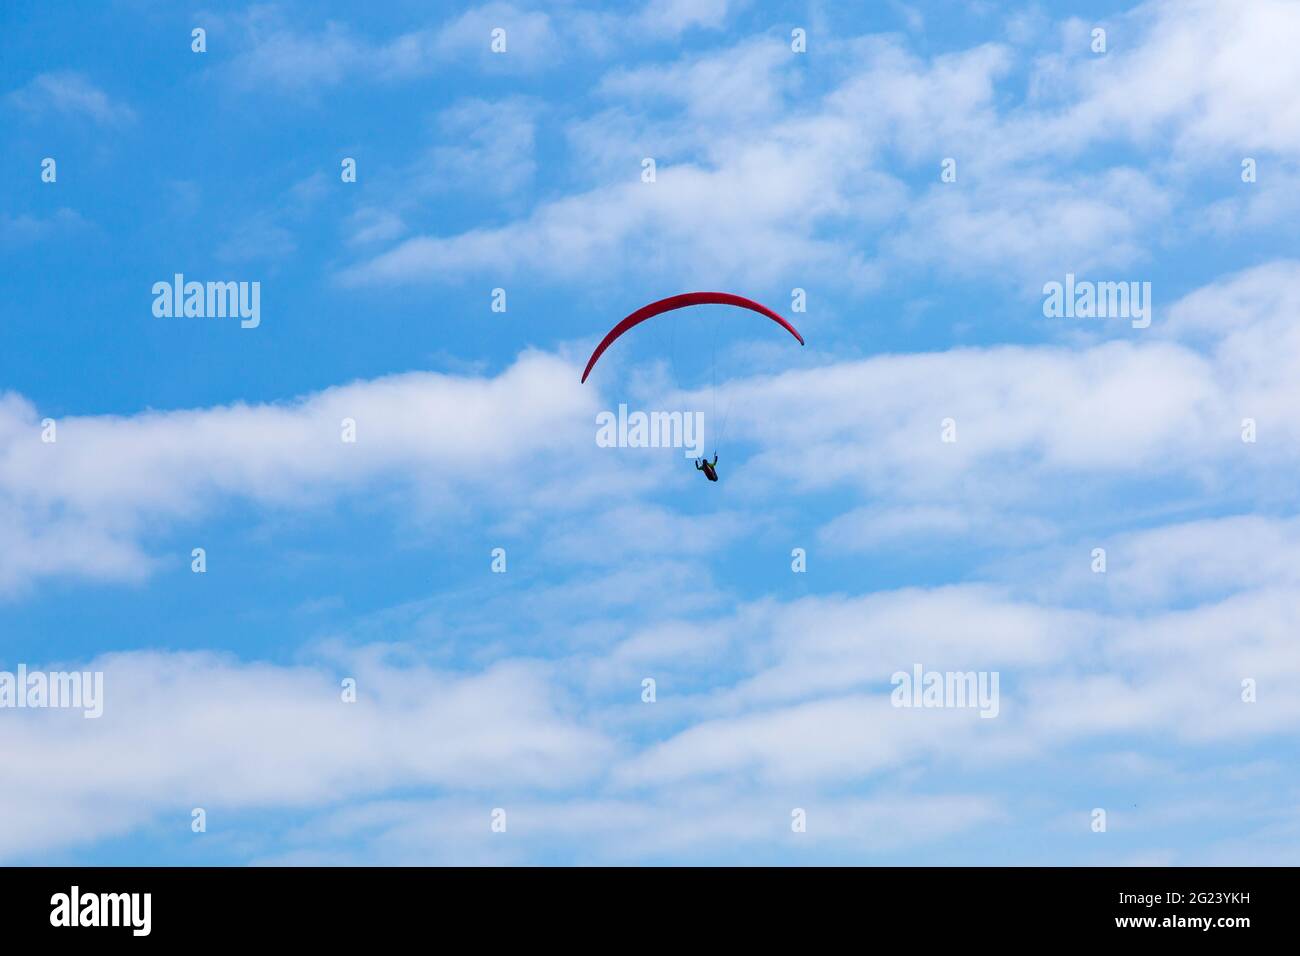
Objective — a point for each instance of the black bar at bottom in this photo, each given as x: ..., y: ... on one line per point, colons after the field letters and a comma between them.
x: 622, y: 906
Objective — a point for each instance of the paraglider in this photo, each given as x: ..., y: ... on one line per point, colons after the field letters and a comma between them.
x: 709, y: 468
x: 683, y: 301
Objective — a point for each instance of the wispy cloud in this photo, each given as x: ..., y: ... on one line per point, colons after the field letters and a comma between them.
x: 69, y: 93
x: 850, y: 189
x: 21, y: 230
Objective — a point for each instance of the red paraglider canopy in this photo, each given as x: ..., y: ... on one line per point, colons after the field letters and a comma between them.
x: 681, y: 302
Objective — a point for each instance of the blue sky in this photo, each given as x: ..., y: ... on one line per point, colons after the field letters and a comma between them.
x: 775, y: 170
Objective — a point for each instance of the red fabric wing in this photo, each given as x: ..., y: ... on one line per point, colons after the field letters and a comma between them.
x: 681, y: 302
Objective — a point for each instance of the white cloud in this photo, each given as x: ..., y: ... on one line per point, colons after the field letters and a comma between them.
x: 1195, y: 560
x: 796, y: 699
x: 279, y: 57
x: 493, y: 149
x: 195, y: 730
x: 530, y: 37
x: 674, y: 17
x: 1033, y: 226
x: 808, y: 699
x: 282, y: 59
x: 871, y: 527
x: 370, y: 225
x: 70, y: 93
x: 110, y: 478
x: 1213, y: 76
x: 732, y: 89
x: 806, y: 182
x: 693, y: 824
x: 25, y: 229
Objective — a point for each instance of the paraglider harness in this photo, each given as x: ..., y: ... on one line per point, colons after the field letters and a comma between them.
x: 709, y: 468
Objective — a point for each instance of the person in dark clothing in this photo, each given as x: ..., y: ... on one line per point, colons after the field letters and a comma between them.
x: 709, y: 469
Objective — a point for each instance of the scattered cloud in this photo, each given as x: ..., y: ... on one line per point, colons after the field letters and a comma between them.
x: 72, y: 94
